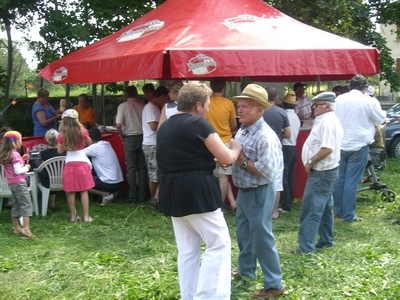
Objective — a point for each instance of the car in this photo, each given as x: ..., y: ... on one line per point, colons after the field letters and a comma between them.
x: 393, y: 112
x: 392, y: 138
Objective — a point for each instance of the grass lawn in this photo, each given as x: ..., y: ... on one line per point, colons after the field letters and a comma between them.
x: 129, y: 252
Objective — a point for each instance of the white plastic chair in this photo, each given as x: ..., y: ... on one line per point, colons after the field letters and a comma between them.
x: 54, y: 167
x: 5, y: 191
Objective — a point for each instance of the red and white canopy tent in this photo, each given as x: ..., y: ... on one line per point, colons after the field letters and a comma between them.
x: 199, y: 39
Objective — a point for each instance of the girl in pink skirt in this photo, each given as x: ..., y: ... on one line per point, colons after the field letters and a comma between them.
x: 77, y: 175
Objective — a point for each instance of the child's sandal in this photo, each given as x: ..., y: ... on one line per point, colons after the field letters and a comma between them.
x: 27, y: 235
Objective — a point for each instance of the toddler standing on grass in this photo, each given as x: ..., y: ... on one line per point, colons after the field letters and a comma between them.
x: 77, y: 175
x: 15, y: 170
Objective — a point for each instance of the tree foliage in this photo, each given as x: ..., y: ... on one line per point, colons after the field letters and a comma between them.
x: 3, y: 78
x: 18, y: 13
x: 21, y: 74
x: 351, y: 19
x: 386, y: 11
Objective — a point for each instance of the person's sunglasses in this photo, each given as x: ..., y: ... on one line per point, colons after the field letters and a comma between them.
x: 318, y: 104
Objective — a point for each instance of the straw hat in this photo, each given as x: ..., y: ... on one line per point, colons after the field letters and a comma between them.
x: 256, y: 93
x: 290, y: 99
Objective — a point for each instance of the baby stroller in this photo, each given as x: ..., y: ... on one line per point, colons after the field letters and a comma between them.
x: 376, y: 185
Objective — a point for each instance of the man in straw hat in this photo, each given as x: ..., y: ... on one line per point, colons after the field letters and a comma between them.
x: 289, y: 154
x: 254, y: 174
x: 320, y: 156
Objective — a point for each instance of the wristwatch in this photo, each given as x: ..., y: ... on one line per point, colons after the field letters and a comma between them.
x: 310, y: 161
x: 244, y: 163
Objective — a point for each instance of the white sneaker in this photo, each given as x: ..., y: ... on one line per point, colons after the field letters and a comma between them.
x: 107, y: 199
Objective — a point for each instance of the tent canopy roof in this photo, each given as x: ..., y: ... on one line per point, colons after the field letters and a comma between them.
x: 208, y: 38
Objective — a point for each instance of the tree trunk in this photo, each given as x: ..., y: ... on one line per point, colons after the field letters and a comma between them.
x: 95, y: 101
x: 102, y: 104
x: 10, y: 50
x: 67, y: 91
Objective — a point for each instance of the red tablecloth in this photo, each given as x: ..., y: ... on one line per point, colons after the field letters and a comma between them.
x: 115, y: 141
x: 300, y: 177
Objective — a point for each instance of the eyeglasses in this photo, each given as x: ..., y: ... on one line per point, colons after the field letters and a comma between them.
x: 318, y: 104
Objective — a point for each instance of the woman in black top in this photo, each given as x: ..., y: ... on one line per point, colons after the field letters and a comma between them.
x: 189, y: 192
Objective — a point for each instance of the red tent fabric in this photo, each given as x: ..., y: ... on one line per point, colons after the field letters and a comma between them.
x: 198, y: 39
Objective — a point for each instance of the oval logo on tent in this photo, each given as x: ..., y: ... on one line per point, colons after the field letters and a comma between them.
x: 60, y: 74
x: 141, y: 31
x: 245, y: 23
x: 202, y: 64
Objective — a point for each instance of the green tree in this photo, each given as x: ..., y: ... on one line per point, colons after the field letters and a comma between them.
x: 3, y: 79
x: 351, y: 19
x: 386, y: 11
x: 21, y: 74
x: 18, y: 13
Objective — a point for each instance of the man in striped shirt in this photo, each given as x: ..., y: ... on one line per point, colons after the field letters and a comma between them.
x: 320, y: 156
x: 303, y: 108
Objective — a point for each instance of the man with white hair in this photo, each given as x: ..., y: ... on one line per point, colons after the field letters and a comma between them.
x: 320, y: 156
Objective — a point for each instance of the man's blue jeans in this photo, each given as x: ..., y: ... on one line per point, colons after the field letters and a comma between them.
x: 316, y: 214
x: 351, y: 168
x: 135, y: 164
x: 254, y: 235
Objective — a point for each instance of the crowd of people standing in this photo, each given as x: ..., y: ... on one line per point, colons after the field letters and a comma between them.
x: 180, y: 144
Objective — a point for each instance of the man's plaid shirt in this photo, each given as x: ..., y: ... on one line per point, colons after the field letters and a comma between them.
x: 261, y: 145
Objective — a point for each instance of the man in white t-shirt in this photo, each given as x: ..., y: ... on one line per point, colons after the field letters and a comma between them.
x: 320, y: 156
x: 108, y: 179
x: 358, y: 116
x: 150, y: 117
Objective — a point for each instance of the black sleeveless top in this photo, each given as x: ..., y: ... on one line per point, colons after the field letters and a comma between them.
x: 187, y: 184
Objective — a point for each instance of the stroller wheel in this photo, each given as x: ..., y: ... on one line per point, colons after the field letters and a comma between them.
x: 388, y: 196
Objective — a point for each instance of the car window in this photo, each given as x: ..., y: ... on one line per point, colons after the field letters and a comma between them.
x: 394, y: 110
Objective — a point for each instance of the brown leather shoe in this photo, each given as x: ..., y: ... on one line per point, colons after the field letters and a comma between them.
x: 269, y: 294
x: 236, y: 275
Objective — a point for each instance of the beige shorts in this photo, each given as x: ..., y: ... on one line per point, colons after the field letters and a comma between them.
x: 151, y: 162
